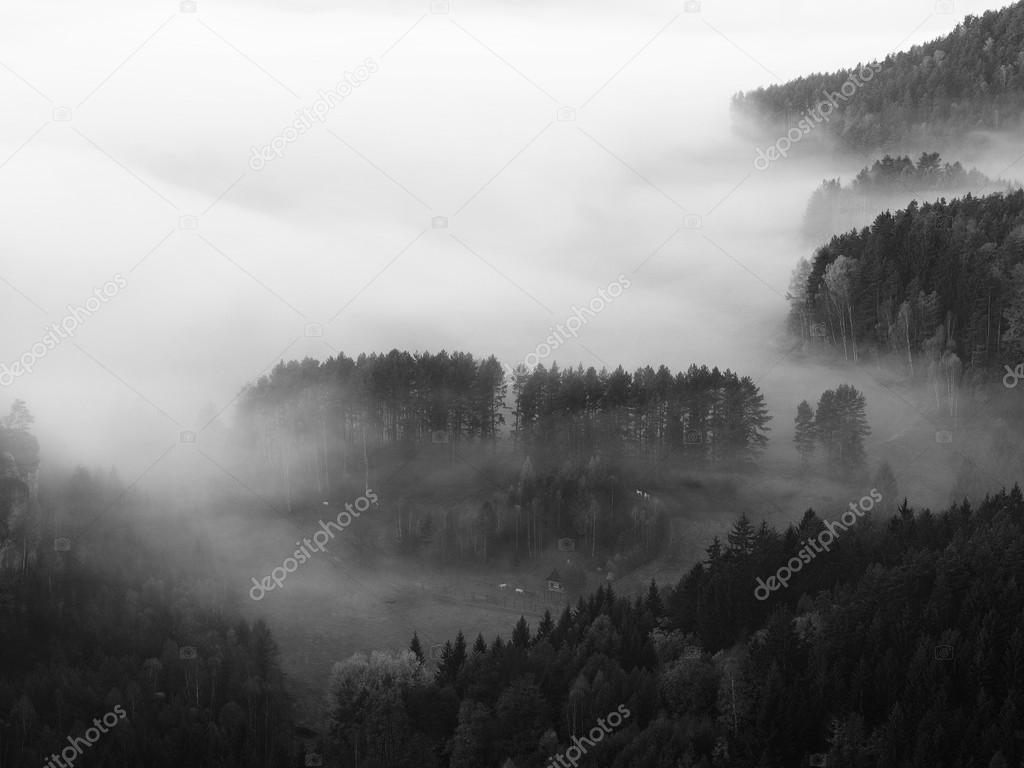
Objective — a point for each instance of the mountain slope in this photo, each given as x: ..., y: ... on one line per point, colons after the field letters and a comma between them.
x: 972, y: 79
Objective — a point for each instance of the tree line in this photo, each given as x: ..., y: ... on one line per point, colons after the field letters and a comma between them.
x: 939, y: 286
x: 706, y: 416
x: 310, y: 424
x: 834, y: 207
x: 971, y: 79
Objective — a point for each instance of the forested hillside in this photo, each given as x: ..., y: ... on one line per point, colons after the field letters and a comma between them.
x: 835, y: 207
x: 901, y: 645
x: 938, y: 285
x: 969, y: 80
x: 94, y: 621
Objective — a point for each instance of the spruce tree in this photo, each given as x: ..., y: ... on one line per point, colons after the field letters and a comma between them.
x: 546, y: 626
x: 653, y: 602
x: 459, y: 652
x: 840, y: 425
x: 804, y: 436
x: 480, y: 646
x: 521, y: 633
x: 415, y: 646
x: 741, y: 537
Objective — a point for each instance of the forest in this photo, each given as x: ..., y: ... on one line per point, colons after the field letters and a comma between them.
x: 900, y: 643
x: 969, y: 80
x: 939, y: 286
x: 866, y: 658
x: 834, y: 207
x: 903, y: 645
x: 126, y: 625
x: 307, y: 416
x: 552, y: 453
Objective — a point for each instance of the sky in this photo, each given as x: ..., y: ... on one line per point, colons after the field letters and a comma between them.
x: 497, y: 166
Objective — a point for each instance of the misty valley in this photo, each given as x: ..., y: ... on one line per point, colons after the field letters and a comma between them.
x: 758, y: 507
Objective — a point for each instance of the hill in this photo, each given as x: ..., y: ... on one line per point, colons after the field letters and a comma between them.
x: 899, y: 644
x: 969, y: 80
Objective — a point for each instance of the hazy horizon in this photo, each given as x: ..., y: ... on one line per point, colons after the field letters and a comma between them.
x: 459, y: 121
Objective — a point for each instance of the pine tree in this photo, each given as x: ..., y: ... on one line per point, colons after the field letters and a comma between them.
x: 804, y: 436
x: 480, y: 646
x: 810, y: 524
x: 714, y: 551
x: 741, y: 537
x: 653, y: 602
x: 546, y: 626
x: 841, y: 425
x: 521, y: 633
x: 459, y: 652
x: 826, y: 427
x: 20, y: 417
x: 453, y: 657
x: 445, y: 667
x: 562, y: 627
x: 415, y: 646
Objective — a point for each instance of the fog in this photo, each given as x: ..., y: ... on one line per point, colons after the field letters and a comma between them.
x: 459, y: 121
x: 222, y: 269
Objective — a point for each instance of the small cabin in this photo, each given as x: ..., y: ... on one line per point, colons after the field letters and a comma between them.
x: 555, y: 582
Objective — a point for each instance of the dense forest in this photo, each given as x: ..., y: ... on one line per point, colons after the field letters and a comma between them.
x: 901, y: 645
x: 940, y: 286
x: 899, y: 642
x: 835, y: 207
x: 616, y: 524
x: 969, y: 80
x: 562, y: 458
x: 102, y: 622
x: 306, y: 417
